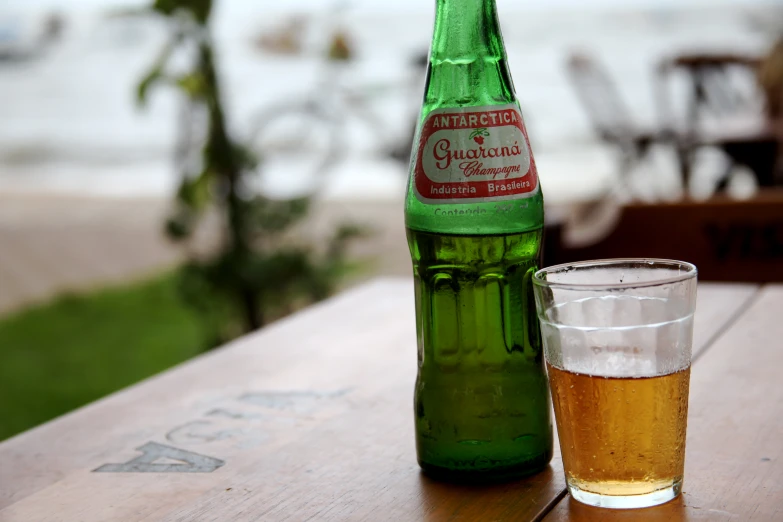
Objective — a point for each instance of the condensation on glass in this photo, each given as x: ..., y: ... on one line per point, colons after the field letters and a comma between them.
x: 617, y: 338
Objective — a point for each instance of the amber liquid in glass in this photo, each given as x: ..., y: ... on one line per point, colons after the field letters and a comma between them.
x: 621, y: 436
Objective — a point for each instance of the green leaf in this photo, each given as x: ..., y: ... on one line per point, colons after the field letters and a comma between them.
x: 166, y: 7
x: 195, y: 193
x: 200, y: 9
x: 274, y: 216
x: 156, y: 72
x: 283, y: 268
x: 192, y: 84
x: 178, y: 227
x: 246, y: 157
x: 481, y: 131
x: 144, y: 86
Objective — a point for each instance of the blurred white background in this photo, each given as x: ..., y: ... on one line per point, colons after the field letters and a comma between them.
x: 69, y: 123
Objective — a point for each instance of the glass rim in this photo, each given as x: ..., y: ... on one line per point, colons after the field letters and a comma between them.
x: 690, y: 272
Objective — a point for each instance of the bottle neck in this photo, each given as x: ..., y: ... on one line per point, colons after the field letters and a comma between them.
x: 467, y: 59
x: 465, y: 28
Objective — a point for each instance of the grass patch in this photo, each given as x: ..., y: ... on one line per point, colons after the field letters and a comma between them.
x: 62, y: 355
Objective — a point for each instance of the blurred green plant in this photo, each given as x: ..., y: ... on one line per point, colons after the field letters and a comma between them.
x: 257, y: 272
x: 60, y: 355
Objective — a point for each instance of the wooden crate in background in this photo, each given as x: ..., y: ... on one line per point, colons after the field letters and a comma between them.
x: 728, y: 240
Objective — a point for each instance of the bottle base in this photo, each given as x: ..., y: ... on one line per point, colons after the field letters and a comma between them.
x: 487, y: 475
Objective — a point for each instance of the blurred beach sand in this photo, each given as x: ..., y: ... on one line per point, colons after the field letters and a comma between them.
x: 54, y: 244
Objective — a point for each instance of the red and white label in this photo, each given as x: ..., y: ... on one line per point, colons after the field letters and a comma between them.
x: 474, y: 154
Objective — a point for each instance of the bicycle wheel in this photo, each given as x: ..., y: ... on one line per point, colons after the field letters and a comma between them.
x: 298, y: 145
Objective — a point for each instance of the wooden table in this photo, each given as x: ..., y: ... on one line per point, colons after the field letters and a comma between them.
x: 311, y: 419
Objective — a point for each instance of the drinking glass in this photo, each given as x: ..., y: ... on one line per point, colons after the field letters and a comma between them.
x: 617, y: 338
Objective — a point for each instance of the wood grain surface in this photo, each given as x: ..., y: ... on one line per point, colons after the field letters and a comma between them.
x: 734, y: 455
x: 718, y: 306
x: 311, y: 418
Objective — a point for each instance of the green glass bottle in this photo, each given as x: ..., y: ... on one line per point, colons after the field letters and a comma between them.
x: 474, y: 215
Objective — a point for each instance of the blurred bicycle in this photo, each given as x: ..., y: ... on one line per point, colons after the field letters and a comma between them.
x: 308, y: 135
